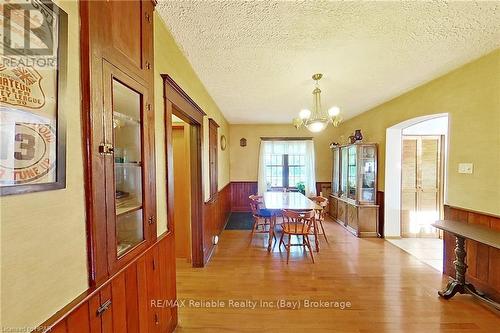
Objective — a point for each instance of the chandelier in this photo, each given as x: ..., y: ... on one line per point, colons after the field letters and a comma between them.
x: 317, y: 119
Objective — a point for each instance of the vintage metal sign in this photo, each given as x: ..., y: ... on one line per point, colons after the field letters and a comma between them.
x: 31, y: 147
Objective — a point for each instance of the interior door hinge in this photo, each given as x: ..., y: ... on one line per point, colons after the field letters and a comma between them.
x: 151, y: 220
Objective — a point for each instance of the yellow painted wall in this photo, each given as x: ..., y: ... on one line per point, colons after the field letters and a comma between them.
x: 471, y: 97
x: 170, y: 60
x: 43, y: 240
x: 245, y: 160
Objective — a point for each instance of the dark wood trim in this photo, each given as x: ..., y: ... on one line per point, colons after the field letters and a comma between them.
x: 286, y: 138
x: 213, y: 122
x: 180, y: 98
x: 473, y: 211
x: 179, y: 103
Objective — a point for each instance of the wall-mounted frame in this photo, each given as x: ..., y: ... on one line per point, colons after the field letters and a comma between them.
x: 223, y: 142
x: 33, y: 71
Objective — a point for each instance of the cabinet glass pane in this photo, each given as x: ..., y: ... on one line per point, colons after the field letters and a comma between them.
x: 351, y: 173
x: 127, y: 132
x: 343, y: 174
x: 368, y: 174
x: 335, y: 172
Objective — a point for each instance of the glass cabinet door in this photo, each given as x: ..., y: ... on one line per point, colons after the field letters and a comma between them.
x: 128, y: 166
x: 351, y: 172
x: 343, y: 172
x: 335, y: 171
x: 368, y: 173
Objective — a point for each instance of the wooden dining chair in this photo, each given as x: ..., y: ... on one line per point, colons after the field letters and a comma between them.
x: 322, y: 202
x: 297, y: 223
x: 261, y: 217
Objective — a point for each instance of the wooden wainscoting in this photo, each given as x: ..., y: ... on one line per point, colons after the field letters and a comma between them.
x: 239, y: 195
x: 483, y: 261
x: 136, y: 297
x: 215, y: 215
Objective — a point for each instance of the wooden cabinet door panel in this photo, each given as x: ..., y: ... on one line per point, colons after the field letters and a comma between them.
x: 153, y: 289
x: 132, y: 298
x: 342, y: 212
x: 352, y: 216
x: 126, y: 37
x: 79, y: 321
x: 143, y: 301
x: 107, y: 316
x: 119, y: 299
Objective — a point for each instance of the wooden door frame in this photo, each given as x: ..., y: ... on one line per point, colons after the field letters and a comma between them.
x: 441, y: 173
x: 178, y: 102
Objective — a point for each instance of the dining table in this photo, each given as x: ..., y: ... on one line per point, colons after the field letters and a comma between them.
x: 276, y: 202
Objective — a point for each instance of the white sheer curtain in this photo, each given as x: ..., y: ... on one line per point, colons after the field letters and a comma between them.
x: 302, y: 148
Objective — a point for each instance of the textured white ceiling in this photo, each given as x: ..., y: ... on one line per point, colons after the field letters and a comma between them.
x: 256, y: 58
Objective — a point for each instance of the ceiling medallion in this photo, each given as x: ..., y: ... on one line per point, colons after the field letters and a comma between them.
x: 317, y: 119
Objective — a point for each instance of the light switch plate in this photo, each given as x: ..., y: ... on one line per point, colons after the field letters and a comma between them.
x: 465, y: 167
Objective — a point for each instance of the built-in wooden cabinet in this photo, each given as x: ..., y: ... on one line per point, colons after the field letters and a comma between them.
x: 117, y: 89
x: 354, y: 188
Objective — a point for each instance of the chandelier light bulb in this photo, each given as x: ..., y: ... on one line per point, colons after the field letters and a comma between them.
x: 316, y: 126
x: 304, y: 114
x: 334, y: 111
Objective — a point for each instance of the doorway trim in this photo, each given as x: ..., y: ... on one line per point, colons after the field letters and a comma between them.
x: 392, y: 188
x: 178, y: 102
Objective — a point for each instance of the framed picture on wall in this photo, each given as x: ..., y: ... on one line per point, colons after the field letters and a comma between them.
x: 32, y: 75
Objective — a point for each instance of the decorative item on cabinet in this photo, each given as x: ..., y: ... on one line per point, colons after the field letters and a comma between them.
x: 358, y: 136
x: 243, y: 142
x: 354, y: 188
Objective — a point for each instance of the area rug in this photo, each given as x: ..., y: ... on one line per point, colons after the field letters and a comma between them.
x: 240, y: 221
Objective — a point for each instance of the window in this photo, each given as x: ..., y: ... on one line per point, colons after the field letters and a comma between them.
x: 284, y: 170
x: 283, y: 164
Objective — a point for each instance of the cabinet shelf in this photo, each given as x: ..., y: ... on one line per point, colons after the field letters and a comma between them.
x: 126, y: 119
x: 128, y: 164
x: 128, y: 208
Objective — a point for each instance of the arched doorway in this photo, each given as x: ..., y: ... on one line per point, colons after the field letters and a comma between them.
x: 393, y: 168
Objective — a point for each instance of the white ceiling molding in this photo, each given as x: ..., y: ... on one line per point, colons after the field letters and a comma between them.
x: 256, y: 58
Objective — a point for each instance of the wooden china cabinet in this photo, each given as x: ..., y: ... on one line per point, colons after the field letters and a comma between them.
x: 354, y: 188
x: 118, y: 111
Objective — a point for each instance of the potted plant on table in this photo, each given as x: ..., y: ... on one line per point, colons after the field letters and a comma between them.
x: 301, y: 187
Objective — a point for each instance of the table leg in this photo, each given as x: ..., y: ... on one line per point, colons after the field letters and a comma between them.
x: 458, y: 285
x: 271, y: 232
x: 316, y: 241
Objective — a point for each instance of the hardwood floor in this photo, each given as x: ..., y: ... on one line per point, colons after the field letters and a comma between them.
x: 389, y: 290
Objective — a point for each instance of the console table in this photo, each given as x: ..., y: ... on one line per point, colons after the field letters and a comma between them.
x: 463, y: 231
